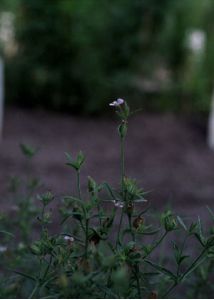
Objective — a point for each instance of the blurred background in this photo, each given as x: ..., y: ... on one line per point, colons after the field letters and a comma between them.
x: 65, y: 60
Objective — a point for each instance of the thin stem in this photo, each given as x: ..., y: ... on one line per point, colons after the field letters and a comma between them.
x: 34, y: 291
x: 194, y: 264
x: 157, y: 244
x: 78, y: 184
x: 42, y: 220
x: 138, y: 281
x: 130, y: 228
x: 170, y: 290
x: 182, y: 249
x: 48, y: 267
x: 86, y: 238
x: 187, y: 272
x: 119, y: 228
x: 122, y: 162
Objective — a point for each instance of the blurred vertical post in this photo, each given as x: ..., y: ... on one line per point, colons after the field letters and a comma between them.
x: 1, y: 96
x: 210, y: 137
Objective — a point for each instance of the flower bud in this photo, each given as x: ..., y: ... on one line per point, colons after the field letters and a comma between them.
x: 91, y: 185
x: 210, y: 242
x: 46, y: 198
x: 138, y: 222
x: 36, y: 249
x: 170, y: 223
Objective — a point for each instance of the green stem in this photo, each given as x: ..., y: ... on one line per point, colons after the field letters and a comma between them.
x: 86, y: 238
x: 170, y: 290
x: 34, y: 291
x: 78, y: 184
x: 42, y: 220
x: 48, y: 267
x: 122, y: 162
x: 130, y: 227
x: 182, y: 250
x: 119, y: 228
x: 194, y: 264
x: 156, y: 245
x: 138, y: 281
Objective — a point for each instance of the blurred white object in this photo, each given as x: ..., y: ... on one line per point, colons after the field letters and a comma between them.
x: 1, y: 95
x: 3, y: 249
x: 7, y: 36
x: 196, y: 41
x: 210, y: 138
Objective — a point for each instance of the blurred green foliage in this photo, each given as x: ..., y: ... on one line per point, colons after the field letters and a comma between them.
x: 79, y: 55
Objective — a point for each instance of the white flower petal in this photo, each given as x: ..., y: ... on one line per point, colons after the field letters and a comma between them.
x: 114, y: 103
x: 120, y: 101
x: 68, y: 238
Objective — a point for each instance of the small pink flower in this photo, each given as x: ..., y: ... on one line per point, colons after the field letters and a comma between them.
x: 118, y: 102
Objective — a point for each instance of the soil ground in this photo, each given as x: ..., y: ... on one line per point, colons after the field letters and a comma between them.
x: 167, y: 154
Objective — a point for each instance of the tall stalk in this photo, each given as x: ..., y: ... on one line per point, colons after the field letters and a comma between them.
x: 78, y: 184
x: 122, y: 163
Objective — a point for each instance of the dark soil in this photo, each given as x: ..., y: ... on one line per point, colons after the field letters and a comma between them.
x: 167, y: 154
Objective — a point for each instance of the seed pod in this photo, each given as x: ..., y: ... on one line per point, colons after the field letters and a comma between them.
x: 153, y: 295
x: 95, y: 238
x: 138, y: 222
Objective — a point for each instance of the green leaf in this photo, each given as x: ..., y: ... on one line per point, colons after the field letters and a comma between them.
x: 152, y: 232
x: 193, y: 267
x: 76, y: 164
x: 162, y: 270
x: 74, y: 199
x: 24, y: 275
x: 7, y: 233
x: 110, y: 191
x: 28, y: 150
x: 181, y: 223
x: 210, y: 211
x: 192, y: 228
